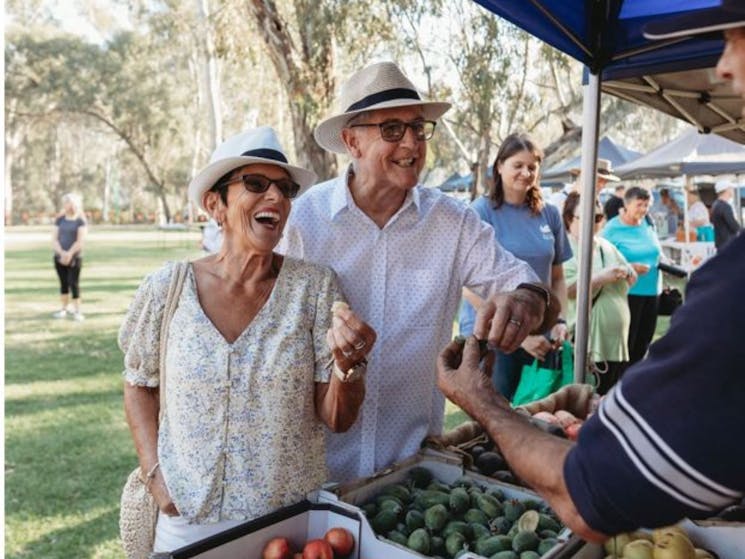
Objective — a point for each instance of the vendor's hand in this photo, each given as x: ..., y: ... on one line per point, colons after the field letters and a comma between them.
x: 506, y: 318
x: 461, y: 380
x: 159, y: 491
x: 538, y: 346
x: 559, y: 334
x: 640, y: 268
x: 350, y: 339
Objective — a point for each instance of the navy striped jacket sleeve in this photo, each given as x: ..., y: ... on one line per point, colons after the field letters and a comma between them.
x: 668, y: 441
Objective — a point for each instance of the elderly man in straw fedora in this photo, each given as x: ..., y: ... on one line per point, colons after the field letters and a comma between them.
x: 403, y: 253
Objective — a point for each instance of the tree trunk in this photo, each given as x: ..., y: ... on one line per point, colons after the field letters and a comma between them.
x: 306, y: 75
x: 210, y: 76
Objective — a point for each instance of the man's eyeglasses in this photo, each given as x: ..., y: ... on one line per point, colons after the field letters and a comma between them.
x: 259, y: 184
x: 394, y: 130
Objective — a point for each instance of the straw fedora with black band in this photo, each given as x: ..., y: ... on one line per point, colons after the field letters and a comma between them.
x: 604, y: 170
x: 379, y: 86
x: 728, y: 15
x: 256, y: 146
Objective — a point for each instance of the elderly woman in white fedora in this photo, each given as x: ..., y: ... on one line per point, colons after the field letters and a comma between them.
x: 403, y: 252
x: 250, y: 387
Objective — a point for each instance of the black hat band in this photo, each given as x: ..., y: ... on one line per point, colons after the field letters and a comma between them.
x: 266, y: 153
x: 385, y: 95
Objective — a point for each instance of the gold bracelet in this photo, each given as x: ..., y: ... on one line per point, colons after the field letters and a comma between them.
x: 150, y: 476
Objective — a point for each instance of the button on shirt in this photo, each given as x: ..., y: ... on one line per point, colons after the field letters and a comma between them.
x: 405, y: 280
x: 240, y: 436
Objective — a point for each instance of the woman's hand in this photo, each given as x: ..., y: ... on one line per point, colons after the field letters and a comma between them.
x: 350, y: 339
x: 65, y: 258
x: 537, y: 346
x: 640, y: 268
x: 613, y: 273
x: 559, y: 334
x: 159, y: 491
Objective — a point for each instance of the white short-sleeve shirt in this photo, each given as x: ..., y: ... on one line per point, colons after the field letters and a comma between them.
x: 405, y: 280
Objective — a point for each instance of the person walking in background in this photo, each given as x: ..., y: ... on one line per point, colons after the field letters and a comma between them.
x: 698, y: 215
x: 531, y: 230
x: 603, y: 175
x: 403, y: 253
x: 610, y: 317
x: 250, y: 386
x: 614, y: 203
x: 672, y: 211
x: 722, y: 214
x: 68, y: 237
x: 637, y: 241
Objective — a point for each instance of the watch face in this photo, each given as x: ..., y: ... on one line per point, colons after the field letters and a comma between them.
x: 356, y: 372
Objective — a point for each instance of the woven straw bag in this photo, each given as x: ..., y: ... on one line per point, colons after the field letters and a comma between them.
x: 138, y: 511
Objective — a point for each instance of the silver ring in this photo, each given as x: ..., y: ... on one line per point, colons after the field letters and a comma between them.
x: 515, y: 322
x: 347, y: 353
x: 360, y: 345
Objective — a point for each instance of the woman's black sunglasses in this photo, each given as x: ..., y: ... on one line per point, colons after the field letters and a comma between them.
x: 259, y: 184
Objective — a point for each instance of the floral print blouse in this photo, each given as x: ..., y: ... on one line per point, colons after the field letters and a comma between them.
x: 240, y: 436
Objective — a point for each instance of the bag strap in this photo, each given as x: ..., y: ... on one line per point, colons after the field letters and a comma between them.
x: 602, y: 263
x: 174, y: 292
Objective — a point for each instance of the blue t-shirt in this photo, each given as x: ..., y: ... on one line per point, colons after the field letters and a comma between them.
x: 666, y: 442
x: 67, y: 231
x: 540, y: 240
x: 638, y: 244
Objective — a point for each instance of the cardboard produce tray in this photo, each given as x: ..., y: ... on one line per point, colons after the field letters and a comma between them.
x: 298, y: 523
x: 727, y: 541
x: 445, y: 468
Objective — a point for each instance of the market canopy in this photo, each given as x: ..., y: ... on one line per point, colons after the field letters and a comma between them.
x: 607, y: 36
x: 607, y: 149
x: 675, y: 75
x: 690, y: 153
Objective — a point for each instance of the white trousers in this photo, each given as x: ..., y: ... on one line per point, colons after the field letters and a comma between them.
x: 173, y: 532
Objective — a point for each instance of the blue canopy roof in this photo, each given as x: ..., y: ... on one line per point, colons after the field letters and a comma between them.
x: 607, y: 36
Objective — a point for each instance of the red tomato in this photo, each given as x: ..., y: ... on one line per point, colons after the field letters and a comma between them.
x: 341, y: 541
x: 277, y: 548
x: 318, y: 549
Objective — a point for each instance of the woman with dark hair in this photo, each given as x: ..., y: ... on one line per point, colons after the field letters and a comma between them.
x: 261, y: 358
x: 637, y: 241
x: 610, y: 280
x: 532, y: 231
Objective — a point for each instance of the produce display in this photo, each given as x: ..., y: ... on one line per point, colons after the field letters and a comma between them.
x: 671, y: 542
x: 446, y: 520
x: 336, y: 544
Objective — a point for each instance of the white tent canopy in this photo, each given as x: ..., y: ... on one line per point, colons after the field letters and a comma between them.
x: 690, y: 153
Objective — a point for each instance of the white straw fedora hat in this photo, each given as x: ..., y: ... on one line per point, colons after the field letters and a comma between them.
x: 259, y: 145
x: 604, y: 170
x: 714, y: 19
x: 378, y: 86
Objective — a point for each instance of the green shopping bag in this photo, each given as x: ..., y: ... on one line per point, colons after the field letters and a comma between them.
x: 538, y: 381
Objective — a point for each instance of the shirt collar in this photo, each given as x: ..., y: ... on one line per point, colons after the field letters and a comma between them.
x: 342, y: 196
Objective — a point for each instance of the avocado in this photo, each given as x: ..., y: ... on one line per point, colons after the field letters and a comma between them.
x: 420, y: 477
x: 490, y: 462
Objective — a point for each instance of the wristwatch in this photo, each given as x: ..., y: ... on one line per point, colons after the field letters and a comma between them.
x: 353, y: 374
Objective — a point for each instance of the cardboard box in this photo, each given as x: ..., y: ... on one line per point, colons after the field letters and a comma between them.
x: 298, y: 523
x: 728, y: 542
x: 445, y: 468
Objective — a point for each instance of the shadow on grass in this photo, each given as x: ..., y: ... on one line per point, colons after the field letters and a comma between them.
x: 51, y: 402
x: 85, y: 535
x: 68, y: 355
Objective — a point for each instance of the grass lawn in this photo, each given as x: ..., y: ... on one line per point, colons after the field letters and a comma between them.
x: 67, y: 447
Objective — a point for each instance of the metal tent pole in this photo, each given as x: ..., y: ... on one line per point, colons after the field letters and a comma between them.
x: 590, y: 125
